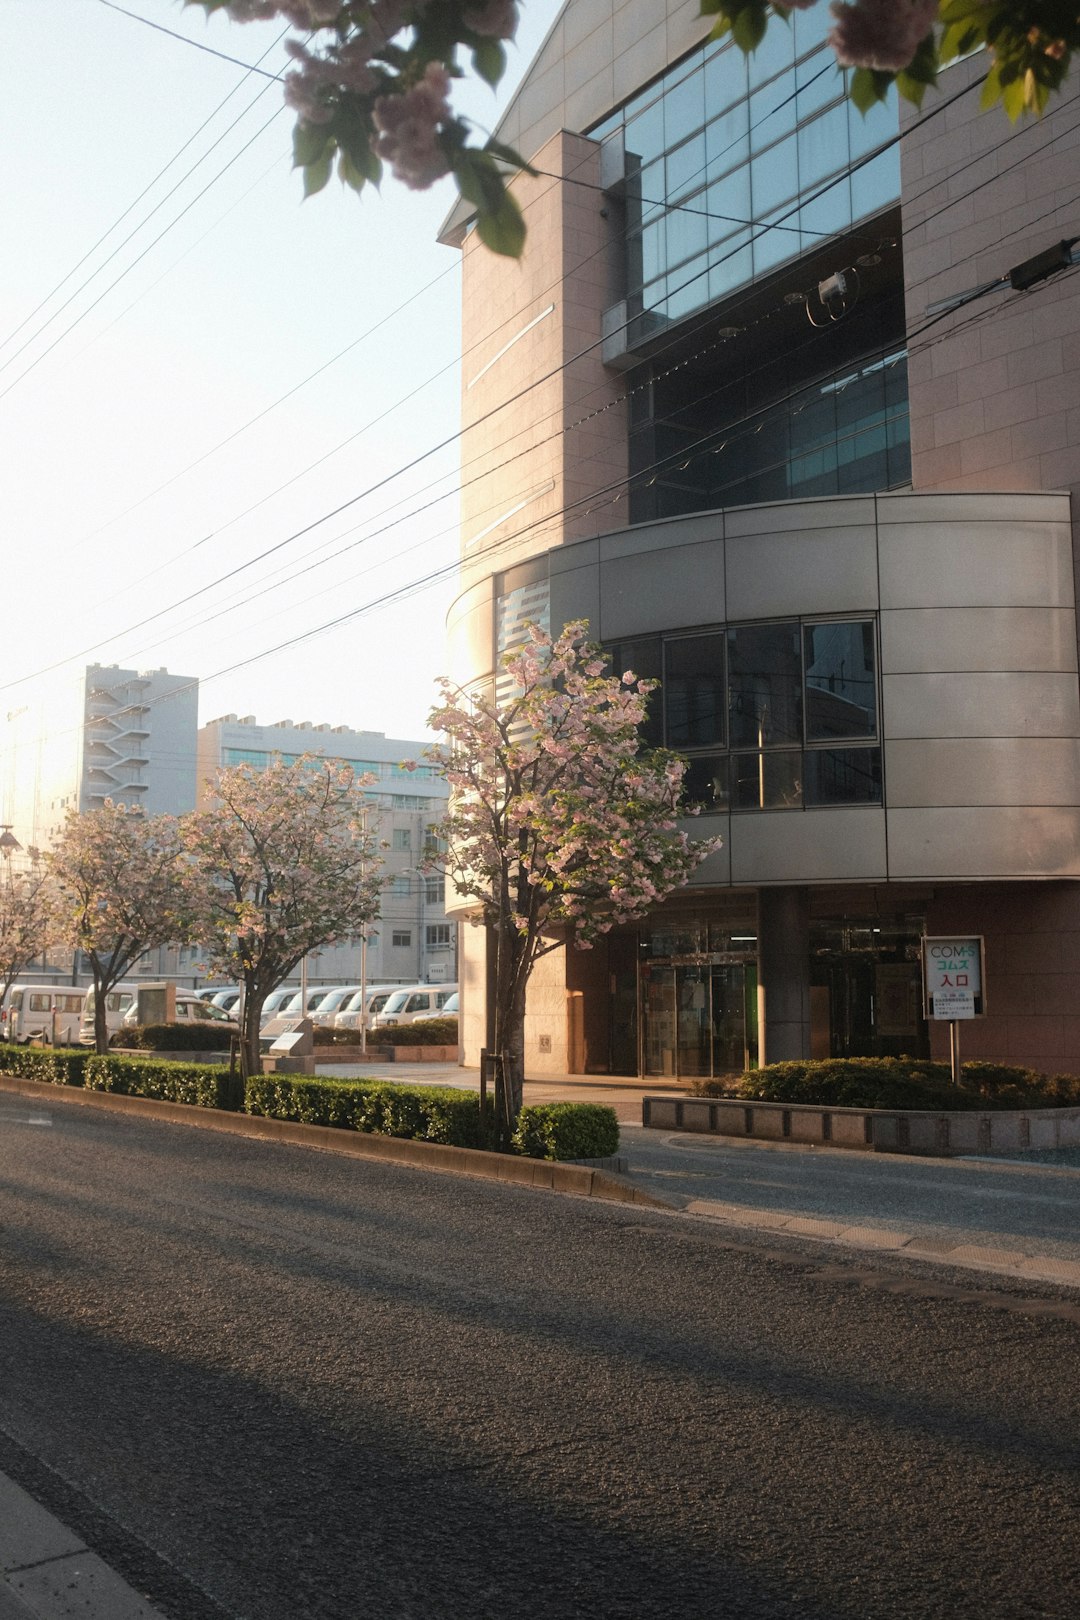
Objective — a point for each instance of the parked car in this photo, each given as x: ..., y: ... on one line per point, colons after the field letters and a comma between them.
x: 417, y: 1001
x: 227, y: 999
x: 276, y: 1000
x: 190, y: 1009
x: 450, y: 1008
x: 351, y: 1014
x: 332, y: 1003
x: 47, y: 1012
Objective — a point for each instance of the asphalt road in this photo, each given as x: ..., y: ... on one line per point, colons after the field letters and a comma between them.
x: 270, y: 1383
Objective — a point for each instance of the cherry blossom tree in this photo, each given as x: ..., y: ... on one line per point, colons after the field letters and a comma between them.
x: 120, y: 886
x: 1029, y: 43
x: 561, y: 824
x: 26, y: 928
x: 372, y: 80
x: 285, y: 865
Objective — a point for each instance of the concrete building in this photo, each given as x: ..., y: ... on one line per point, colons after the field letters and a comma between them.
x: 105, y: 733
x: 763, y: 403
x: 414, y: 941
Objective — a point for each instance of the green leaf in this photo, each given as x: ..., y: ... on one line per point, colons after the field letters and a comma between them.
x: 489, y: 60
x: 506, y: 154
x: 502, y: 229
x: 349, y: 174
x: 309, y: 143
x: 318, y: 173
x: 748, y: 28
x: 868, y: 87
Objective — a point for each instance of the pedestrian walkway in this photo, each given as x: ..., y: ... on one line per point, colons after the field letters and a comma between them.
x: 48, y: 1573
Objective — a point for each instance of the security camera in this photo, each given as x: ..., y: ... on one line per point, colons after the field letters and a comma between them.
x: 834, y: 289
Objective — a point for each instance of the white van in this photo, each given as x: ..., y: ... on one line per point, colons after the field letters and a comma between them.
x: 117, y: 1002
x: 48, y: 1012
x: 276, y: 1000
x: 415, y: 1002
x: 351, y: 1014
x: 332, y: 1003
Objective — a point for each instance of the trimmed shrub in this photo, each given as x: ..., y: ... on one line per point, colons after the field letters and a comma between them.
x: 422, y: 1113
x: 566, y: 1130
x: 199, y: 1084
x: 55, y: 1066
x: 907, y: 1083
x: 175, y: 1037
x: 426, y: 1032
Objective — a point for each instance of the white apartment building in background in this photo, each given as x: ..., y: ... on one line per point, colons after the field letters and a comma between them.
x: 413, y: 941
x: 103, y: 733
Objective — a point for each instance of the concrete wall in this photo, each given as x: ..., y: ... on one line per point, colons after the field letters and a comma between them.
x: 542, y: 436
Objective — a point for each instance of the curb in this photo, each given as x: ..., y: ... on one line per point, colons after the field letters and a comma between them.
x: 579, y: 1180
x: 48, y: 1573
x: 1005, y: 1262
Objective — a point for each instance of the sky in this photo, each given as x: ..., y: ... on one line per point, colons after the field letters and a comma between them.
x: 210, y: 389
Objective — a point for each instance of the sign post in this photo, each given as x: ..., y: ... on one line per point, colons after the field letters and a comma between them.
x: 954, y: 973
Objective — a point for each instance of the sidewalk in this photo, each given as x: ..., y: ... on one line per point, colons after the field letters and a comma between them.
x: 47, y: 1573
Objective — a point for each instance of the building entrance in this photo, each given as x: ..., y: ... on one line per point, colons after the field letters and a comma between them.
x: 698, y: 1018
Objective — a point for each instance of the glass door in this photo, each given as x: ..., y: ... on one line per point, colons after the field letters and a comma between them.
x: 698, y: 1019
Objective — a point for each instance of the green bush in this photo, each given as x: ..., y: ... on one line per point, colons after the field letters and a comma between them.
x: 909, y: 1083
x: 422, y: 1113
x: 565, y: 1130
x: 54, y: 1065
x: 201, y: 1084
x: 426, y: 1032
x: 175, y: 1037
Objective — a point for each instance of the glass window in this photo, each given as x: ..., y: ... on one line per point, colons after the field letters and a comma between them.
x: 684, y: 108
x: 438, y: 934
x: 401, y: 937
x: 841, y: 696
x: 842, y: 775
x: 731, y: 264
x: 765, y: 685
x: 772, y: 113
x: 822, y: 149
x: 688, y: 233
x: 643, y: 658
x: 645, y: 133
x: 434, y: 891
x: 694, y: 691
x: 876, y: 184
x: 402, y: 838
x: 706, y: 782
x: 685, y: 166
x: 774, y: 178
x: 726, y: 142
x: 775, y: 53
x: 40, y: 1003
x: 400, y: 886
x: 766, y: 781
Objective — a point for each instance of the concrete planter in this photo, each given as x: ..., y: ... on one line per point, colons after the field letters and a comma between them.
x: 873, y: 1130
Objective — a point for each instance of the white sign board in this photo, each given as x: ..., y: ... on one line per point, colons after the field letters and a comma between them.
x: 953, y: 976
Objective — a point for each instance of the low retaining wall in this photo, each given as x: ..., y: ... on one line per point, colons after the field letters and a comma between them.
x: 875, y: 1130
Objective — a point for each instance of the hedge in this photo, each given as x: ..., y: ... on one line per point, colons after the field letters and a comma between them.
x: 566, y: 1130
x: 200, y: 1084
x: 908, y: 1083
x: 175, y: 1037
x: 424, y: 1113
x: 425, y: 1032
x: 53, y: 1065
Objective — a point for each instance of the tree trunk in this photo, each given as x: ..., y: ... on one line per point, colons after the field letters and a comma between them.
x: 510, y: 983
x: 101, y: 1019
x: 250, y: 1050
